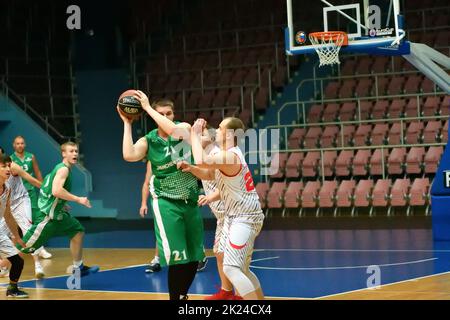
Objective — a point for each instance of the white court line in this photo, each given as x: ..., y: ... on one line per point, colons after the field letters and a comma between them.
x: 263, y: 259
x: 345, y: 267
x: 383, y: 285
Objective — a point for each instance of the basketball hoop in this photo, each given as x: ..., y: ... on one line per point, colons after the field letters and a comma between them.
x: 327, y: 45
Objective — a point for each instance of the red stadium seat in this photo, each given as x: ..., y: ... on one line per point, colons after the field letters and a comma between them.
x: 381, y: 193
x: 294, y: 164
x: 344, y: 194
x: 293, y: 195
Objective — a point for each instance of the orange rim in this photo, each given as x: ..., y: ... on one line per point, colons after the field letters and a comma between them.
x: 333, y: 35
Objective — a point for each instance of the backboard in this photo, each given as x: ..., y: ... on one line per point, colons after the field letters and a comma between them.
x: 372, y: 26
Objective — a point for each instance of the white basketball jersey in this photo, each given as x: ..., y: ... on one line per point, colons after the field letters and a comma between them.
x: 210, y: 186
x: 15, y: 184
x: 238, y: 192
x: 3, y: 200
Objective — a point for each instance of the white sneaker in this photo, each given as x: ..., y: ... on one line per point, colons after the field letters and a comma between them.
x: 4, y: 272
x: 39, y: 271
x: 44, y: 254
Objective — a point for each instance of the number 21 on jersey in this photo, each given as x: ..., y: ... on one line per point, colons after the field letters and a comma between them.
x: 249, y: 184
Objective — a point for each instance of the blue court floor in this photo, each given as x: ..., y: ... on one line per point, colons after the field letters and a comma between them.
x: 289, y: 263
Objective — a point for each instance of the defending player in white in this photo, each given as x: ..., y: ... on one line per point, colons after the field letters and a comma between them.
x: 243, y: 215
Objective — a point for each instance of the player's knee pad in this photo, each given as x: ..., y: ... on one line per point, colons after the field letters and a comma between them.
x: 239, y: 280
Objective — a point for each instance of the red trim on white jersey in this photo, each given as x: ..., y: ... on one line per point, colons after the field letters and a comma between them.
x: 234, y: 246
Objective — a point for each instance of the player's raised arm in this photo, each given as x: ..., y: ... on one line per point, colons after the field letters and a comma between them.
x: 17, y: 170
x: 59, y: 192
x: 225, y: 161
x: 131, y: 152
x: 177, y: 131
x: 200, y: 173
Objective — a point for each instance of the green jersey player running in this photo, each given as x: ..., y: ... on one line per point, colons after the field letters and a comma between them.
x: 174, y: 194
x: 53, y: 219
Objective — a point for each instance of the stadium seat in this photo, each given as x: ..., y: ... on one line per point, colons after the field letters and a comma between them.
x: 329, y: 160
x: 364, y: 87
x: 364, y: 65
x: 376, y: 162
x: 396, y: 85
x: 412, y: 84
x: 394, y: 137
x: 344, y: 163
x: 400, y: 192
x: 296, y: 138
x: 315, y: 113
x: 344, y: 194
x: 432, y: 159
x: 396, y: 108
x: 310, y: 194
x: 294, y: 164
x: 431, y: 106
x: 379, y: 134
x: 330, y: 113
x: 278, y: 165
x: 396, y: 161
x: 349, y: 131
x: 312, y: 137
x: 381, y: 193
x: 329, y: 136
x: 431, y: 131
x: 414, y: 132
x: 327, y: 194
x: 293, y: 195
x: 363, y: 193
x: 361, y: 163
x: 347, y: 111
x: 380, y: 109
x: 310, y: 163
x: 415, y: 160
x: 365, y: 110
x: 419, y: 192
x: 362, y: 135
x: 275, y: 196
x: 331, y: 90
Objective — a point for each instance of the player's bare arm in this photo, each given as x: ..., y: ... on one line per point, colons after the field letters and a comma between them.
x: 131, y: 152
x: 177, y: 131
x: 207, y: 199
x: 59, y: 192
x: 200, y: 173
x: 17, y: 170
x: 143, y: 211
x: 37, y: 171
x: 225, y: 161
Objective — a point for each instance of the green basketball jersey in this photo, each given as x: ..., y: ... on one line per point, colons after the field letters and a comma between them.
x: 48, y: 203
x: 26, y: 165
x: 167, y: 180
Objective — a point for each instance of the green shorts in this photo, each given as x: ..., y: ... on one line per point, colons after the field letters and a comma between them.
x: 44, y: 228
x: 178, y: 230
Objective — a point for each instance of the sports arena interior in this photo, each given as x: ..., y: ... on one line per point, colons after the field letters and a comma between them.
x: 356, y: 178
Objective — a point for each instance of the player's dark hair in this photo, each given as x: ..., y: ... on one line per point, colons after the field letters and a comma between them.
x: 4, y: 159
x: 2, y: 150
x: 163, y: 103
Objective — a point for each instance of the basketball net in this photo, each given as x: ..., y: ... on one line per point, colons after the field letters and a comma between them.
x: 327, y: 45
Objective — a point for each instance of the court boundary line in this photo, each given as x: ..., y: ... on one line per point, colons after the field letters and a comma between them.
x: 383, y: 285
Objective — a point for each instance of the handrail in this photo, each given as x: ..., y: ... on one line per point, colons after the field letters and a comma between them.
x: 28, y: 109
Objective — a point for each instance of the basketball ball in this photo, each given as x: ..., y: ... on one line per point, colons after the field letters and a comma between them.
x: 129, y: 104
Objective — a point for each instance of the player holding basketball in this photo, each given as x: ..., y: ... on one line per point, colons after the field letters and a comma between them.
x: 243, y: 214
x: 27, y: 161
x: 53, y: 220
x: 21, y: 207
x: 178, y: 223
x: 7, y: 249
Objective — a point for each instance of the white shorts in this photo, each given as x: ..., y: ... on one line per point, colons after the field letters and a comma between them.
x: 7, y: 248
x: 237, y: 241
x: 21, y: 211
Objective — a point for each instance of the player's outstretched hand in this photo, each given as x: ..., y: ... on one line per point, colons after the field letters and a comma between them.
x: 124, y: 117
x: 203, y: 200
x: 184, y: 166
x: 85, y: 202
x: 143, y: 99
x: 143, y: 211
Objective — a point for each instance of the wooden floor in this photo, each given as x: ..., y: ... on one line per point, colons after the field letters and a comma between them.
x: 432, y: 287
